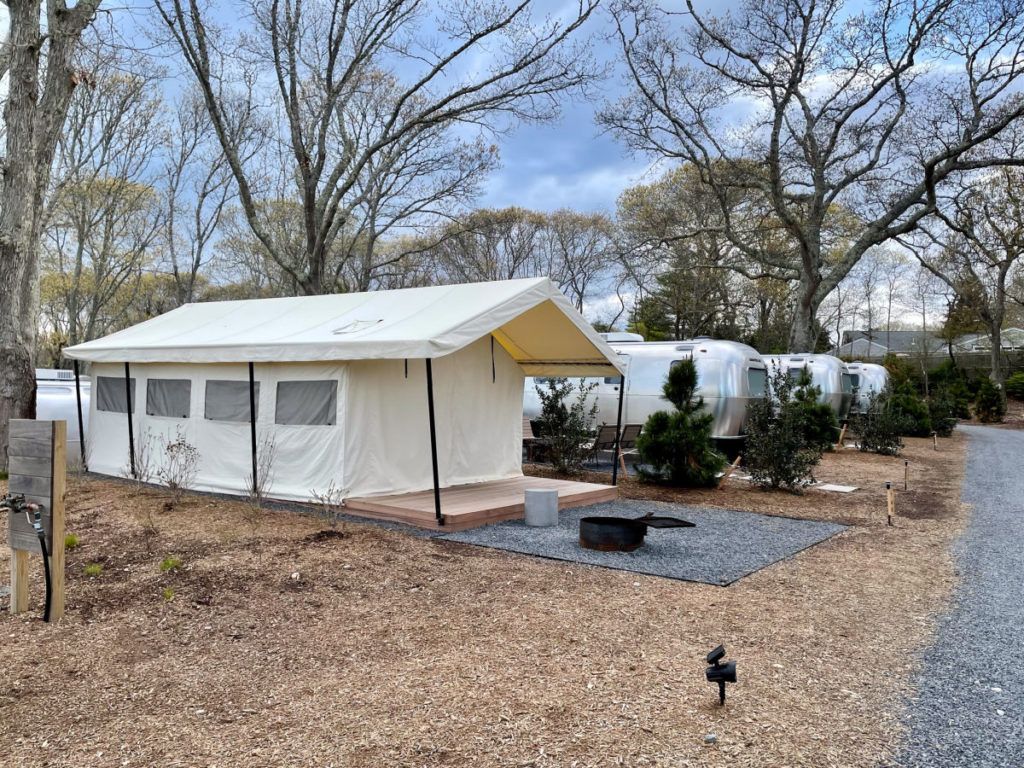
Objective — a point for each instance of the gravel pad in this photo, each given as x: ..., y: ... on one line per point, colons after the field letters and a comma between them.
x: 724, y: 547
x: 969, y: 710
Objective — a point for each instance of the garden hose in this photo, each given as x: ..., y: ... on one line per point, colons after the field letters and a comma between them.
x: 36, y: 521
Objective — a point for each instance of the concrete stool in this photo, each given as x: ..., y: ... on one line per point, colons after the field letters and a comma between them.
x: 541, y: 508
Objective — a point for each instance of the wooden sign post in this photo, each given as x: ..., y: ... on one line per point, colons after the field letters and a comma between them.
x: 37, y: 466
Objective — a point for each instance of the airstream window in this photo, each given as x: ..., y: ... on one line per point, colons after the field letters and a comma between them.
x: 168, y: 397
x: 307, y: 403
x: 229, y: 400
x: 110, y: 394
x: 757, y: 382
x: 855, y: 380
x: 795, y: 373
x: 848, y: 384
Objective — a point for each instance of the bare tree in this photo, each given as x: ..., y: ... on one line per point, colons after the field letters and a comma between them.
x: 197, y: 185
x: 328, y: 60
x: 42, y: 77
x: 845, y: 120
x: 975, y: 248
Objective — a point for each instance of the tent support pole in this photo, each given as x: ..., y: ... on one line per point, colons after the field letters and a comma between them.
x: 433, y: 444
x: 618, y: 433
x: 131, y: 428
x: 81, y: 423
x: 252, y: 429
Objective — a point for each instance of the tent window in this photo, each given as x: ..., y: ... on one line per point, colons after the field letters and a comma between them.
x: 229, y: 400
x: 110, y: 394
x: 169, y: 397
x: 307, y: 402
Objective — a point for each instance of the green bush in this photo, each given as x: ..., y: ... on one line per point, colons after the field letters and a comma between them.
x: 955, y: 386
x: 92, y: 570
x: 878, y: 428
x: 71, y: 540
x: 566, y: 428
x: 910, y: 410
x: 168, y: 593
x: 990, y: 405
x: 820, y: 424
x: 777, y: 452
x: 943, y: 412
x: 1015, y: 386
x: 676, y: 448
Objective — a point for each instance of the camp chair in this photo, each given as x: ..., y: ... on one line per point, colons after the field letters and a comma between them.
x: 530, y: 441
x: 627, y: 443
x: 604, y: 440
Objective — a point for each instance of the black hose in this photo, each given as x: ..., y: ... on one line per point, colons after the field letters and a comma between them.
x: 46, y: 569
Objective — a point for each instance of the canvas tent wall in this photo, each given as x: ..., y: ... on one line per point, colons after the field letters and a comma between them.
x: 341, y: 380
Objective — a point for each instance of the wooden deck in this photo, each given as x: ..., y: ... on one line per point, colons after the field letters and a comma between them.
x: 469, y: 506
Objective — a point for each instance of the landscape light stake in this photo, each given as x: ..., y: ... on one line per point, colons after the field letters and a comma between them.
x: 906, y: 475
x: 935, y: 440
x: 890, y: 501
x: 720, y: 672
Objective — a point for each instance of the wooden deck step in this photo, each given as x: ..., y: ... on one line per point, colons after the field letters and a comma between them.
x: 475, y: 504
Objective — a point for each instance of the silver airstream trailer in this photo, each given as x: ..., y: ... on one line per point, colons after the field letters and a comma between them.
x: 868, y: 379
x: 55, y: 400
x: 828, y: 373
x: 729, y: 374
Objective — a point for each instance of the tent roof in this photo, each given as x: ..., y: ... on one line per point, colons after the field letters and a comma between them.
x: 530, y: 318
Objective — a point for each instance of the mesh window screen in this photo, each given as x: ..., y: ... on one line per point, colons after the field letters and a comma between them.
x: 229, y: 400
x: 169, y: 397
x: 306, y: 402
x: 110, y: 395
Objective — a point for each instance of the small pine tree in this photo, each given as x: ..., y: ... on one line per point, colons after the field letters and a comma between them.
x: 820, y: 424
x: 878, y: 428
x: 910, y: 409
x: 676, y: 448
x: 778, y: 453
x: 1015, y: 386
x: 990, y: 405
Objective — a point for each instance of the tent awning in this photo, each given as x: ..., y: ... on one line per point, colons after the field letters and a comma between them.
x: 530, y: 318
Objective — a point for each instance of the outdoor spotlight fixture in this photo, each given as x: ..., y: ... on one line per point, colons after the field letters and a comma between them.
x: 720, y: 672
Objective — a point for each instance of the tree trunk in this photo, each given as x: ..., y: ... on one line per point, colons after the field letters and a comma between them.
x: 995, y: 334
x: 801, y: 335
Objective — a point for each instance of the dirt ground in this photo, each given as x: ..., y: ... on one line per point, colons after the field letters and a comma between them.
x: 273, y: 646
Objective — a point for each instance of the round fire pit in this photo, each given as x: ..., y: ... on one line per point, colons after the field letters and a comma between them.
x: 611, y: 534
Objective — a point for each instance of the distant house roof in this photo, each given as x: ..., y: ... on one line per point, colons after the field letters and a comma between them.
x: 1011, y: 338
x: 878, y: 343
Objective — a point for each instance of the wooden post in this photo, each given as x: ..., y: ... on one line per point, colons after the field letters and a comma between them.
x: 728, y: 472
x: 890, y: 501
x: 842, y: 436
x: 37, y: 458
x: 935, y: 440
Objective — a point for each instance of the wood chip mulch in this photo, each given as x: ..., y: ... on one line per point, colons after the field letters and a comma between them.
x: 275, y: 644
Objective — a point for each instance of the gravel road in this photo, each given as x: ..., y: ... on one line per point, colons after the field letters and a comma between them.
x: 970, y: 707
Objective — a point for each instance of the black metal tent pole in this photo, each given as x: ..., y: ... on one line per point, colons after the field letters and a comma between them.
x: 252, y: 427
x: 81, y: 423
x: 128, y: 407
x: 618, y: 433
x: 433, y: 444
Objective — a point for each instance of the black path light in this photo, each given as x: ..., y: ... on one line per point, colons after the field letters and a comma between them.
x: 720, y: 672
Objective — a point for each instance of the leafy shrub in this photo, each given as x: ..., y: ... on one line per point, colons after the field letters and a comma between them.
x: 71, y: 540
x: 168, y: 593
x: 1015, y: 386
x: 170, y: 563
x: 778, y: 453
x: 566, y: 421
x: 878, y: 428
x: 819, y: 422
x: 910, y: 411
x: 93, y: 570
x: 954, y: 385
x: 676, y: 448
x: 942, y: 410
x: 990, y: 405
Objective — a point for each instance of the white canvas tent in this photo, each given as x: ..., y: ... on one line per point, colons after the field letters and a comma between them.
x: 374, y: 393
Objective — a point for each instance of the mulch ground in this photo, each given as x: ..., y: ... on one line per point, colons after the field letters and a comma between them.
x: 278, y: 644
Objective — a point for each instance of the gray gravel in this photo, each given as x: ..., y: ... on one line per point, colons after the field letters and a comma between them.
x: 970, y: 707
x: 724, y: 546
